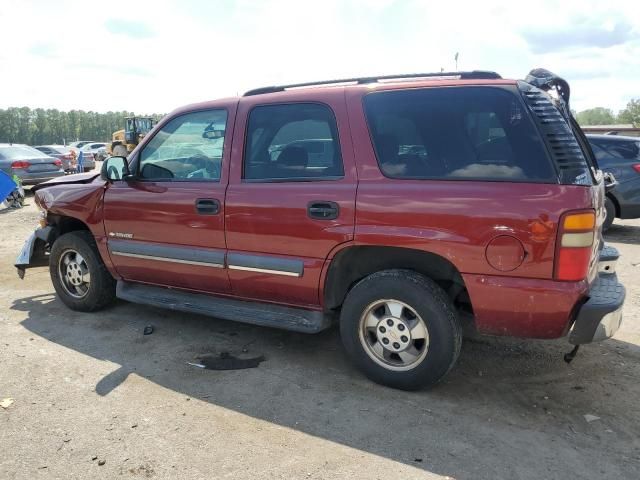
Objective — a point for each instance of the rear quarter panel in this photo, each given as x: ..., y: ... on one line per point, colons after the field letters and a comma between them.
x: 458, y: 219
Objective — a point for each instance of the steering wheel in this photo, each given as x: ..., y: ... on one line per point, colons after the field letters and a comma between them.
x: 113, y: 173
x: 211, y: 167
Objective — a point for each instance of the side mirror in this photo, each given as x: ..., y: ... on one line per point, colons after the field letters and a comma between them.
x: 114, y: 169
x: 610, y: 181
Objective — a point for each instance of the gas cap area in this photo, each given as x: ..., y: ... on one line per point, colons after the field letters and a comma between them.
x: 505, y: 253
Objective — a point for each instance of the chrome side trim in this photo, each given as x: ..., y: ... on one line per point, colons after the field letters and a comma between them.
x: 264, y: 270
x: 165, y: 259
x: 290, y: 267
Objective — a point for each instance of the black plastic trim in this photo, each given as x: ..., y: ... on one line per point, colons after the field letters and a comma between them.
x: 167, y: 253
x: 606, y: 295
x: 263, y: 314
x: 471, y: 75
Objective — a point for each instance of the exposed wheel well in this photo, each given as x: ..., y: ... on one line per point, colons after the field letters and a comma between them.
x: 355, y: 263
x: 66, y: 224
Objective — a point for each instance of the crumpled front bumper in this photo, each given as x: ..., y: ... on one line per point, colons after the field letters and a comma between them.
x: 601, y: 315
x: 34, y: 251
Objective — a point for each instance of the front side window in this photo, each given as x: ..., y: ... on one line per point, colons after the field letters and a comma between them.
x: 292, y: 142
x: 189, y: 147
x: 456, y: 133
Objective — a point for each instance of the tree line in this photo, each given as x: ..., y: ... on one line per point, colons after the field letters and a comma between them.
x: 606, y: 116
x: 42, y: 127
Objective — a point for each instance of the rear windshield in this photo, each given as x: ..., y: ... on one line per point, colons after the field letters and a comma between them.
x: 606, y: 149
x: 20, y: 153
x: 456, y: 133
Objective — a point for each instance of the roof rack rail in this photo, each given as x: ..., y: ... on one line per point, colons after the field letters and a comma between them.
x: 471, y: 75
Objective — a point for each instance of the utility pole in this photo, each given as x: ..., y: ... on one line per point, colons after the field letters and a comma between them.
x: 456, y: 59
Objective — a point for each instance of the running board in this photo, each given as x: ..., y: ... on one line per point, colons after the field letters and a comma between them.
x: 256, y: 313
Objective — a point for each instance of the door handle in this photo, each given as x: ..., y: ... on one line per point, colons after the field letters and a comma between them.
x: 323, y: 210
x: 207, y: 206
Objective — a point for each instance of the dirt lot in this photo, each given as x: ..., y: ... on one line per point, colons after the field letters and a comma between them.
x: 92, y: 388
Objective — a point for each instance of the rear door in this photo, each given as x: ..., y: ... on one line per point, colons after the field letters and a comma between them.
x: 291, y: 195
x: 166, y: 226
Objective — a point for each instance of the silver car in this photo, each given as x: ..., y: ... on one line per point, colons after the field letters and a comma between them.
x: 29, y: 164
x: 58, y: 151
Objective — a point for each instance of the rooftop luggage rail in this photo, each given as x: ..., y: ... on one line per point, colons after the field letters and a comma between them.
x: 471, y: 75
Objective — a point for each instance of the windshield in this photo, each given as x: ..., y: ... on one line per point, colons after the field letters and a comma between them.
x: 21, y: 152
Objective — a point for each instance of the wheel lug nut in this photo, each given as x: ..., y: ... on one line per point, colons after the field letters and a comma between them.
x: 404, y: 338
x: 390, y: 322
x: 382, y: 329
x: 385, y: 341
x: 401, y: 327
x: 396, y: 345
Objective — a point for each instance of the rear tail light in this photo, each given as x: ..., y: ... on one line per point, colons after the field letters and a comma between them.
x: 636, y: 167
x: 575, y: 245
x: 58, y: 162
x: 20, y: 164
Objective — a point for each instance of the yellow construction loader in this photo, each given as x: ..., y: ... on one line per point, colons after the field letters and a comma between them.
x: 124, y: 141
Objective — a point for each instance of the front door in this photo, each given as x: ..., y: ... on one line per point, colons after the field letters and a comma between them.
x: 291, y: 197
x: 165, y: 226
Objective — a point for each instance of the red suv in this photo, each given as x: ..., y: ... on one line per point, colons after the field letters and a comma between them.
x: 402, y: 208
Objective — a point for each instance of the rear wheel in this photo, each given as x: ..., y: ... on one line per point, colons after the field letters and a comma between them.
x: 79, y: 276
x: 610, y: 208
x: 400, y: 329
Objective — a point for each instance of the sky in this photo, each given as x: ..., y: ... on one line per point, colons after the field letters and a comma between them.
x: 153, y: 56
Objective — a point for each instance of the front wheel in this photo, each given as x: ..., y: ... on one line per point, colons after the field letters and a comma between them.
x: 400, y: 329
x: 610, y: 208
x: 79, y: 276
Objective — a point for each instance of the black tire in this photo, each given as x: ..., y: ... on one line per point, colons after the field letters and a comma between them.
x: 610, y: 208
x: 429, y: 302
x: 100, y: 290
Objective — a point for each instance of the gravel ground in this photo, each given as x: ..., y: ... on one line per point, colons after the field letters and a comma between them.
x: 94, y: 398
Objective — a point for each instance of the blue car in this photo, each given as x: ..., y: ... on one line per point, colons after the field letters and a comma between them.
x: 620, y: 156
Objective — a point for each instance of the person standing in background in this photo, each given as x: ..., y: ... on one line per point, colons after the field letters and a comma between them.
x: 73, y: 166
x: 80, y: 162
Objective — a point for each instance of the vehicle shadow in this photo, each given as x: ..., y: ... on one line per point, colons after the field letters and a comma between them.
x: 629, y: 234
x: 506, y: 399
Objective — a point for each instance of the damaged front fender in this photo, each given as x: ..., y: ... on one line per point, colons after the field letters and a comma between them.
x: 34, y: 251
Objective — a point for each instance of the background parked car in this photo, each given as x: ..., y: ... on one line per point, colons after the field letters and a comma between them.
x: 101, y: 154
x: 80, y: 143
x: 620, y: 156
x: 30, y: 165
x: 58, y: 151
x: 89, y: 159
x: 93, y: 148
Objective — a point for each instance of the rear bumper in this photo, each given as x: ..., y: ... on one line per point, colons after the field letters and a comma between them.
x: 538, y: 308
x: 601, y: 315
x: 630, y: 210
x: 35, y: 178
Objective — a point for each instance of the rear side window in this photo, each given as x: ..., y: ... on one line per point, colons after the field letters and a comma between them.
x: 292, y: 142
x: 457, y: 133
